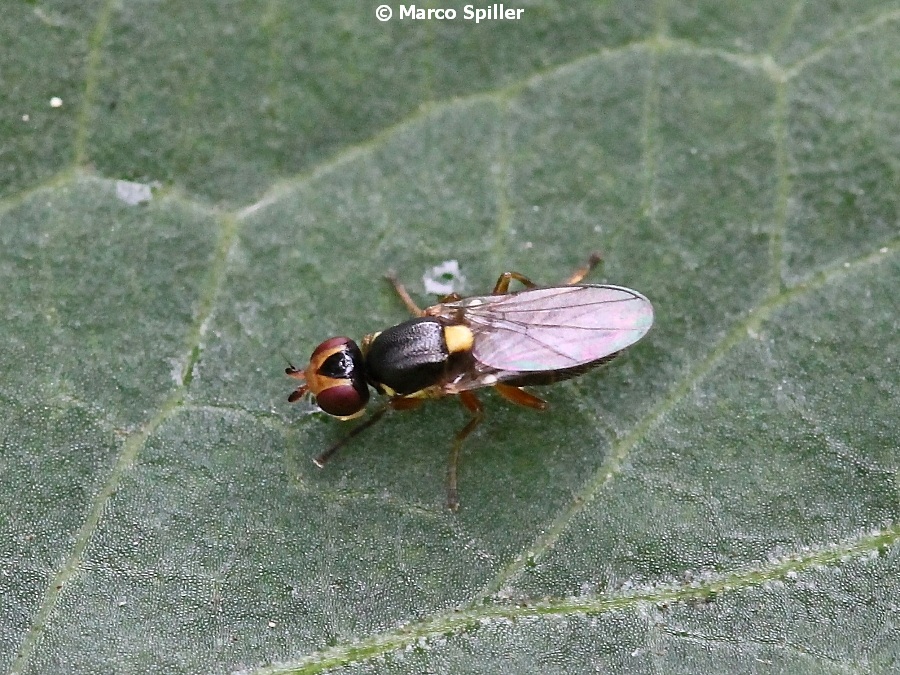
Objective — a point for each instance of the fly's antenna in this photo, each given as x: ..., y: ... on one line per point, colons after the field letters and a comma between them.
x: 291, y: 369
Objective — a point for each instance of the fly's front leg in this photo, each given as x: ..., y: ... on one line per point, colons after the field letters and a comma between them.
x: 323, y: 457
x: 468, y: 399
x: 396, y: 403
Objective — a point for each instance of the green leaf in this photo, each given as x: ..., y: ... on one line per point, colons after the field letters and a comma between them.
x: 724, y: 497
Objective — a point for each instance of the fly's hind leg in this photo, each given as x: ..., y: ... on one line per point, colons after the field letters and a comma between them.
x: 473, y: 405
x: 583, y: 271
x: 502, y: 285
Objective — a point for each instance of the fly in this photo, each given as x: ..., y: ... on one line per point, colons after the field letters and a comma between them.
x: 505, y: 340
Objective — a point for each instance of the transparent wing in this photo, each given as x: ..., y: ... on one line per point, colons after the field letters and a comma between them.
x: 545, y: 329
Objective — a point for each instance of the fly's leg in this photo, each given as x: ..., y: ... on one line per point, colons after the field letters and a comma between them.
x: 320, y: 459
x: 500, y: 288
x: 502, y: 285
x: 400, y: 289
x: 473, y: 405
x: 582, y: 272
x: 521, y: 397
x: 405, y: 402
x: 397, y: 403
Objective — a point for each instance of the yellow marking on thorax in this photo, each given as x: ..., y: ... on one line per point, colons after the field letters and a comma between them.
x: 458, y: 338
x: 386, y: 390
x: 434, y: 391
x: 367, y: 341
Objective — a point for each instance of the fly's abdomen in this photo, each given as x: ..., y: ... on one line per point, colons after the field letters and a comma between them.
x: 408, y: 357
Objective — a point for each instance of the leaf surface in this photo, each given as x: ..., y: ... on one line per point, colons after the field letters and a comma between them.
x: 722, y: 497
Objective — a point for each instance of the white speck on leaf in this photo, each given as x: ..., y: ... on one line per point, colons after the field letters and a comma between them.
x: 133, y: 193
x: 444, y: 279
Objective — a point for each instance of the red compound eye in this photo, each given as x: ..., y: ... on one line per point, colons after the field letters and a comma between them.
x: 336, y: 377
x: 342, y: 400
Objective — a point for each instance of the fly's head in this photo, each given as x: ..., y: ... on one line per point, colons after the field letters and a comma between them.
x: 336, y: 376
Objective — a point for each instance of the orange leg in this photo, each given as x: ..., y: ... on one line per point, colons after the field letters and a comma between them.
x: 520, y: 397
x: 582, y: 272
x: 468, y: 399
x: 405, y: 402
x: 400, y: 289
x: 500, y: 288
x: 502, y: 285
